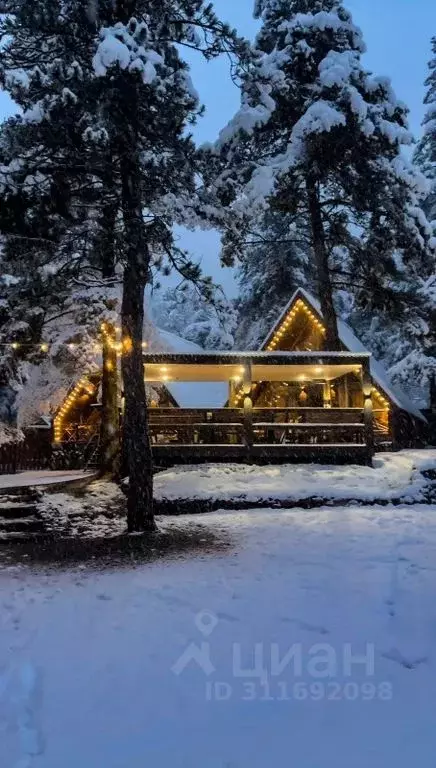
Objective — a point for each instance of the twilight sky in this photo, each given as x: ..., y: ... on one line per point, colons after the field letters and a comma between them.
x: 397, y: 34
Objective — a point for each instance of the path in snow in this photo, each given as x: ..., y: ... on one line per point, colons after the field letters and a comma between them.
x: 97, y: 669
x: 44, y: 477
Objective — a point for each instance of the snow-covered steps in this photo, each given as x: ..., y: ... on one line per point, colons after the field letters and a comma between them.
x: 19, y: 516
x: 30, y: 524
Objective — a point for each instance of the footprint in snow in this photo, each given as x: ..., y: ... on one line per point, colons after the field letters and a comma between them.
x: 395, y: 655
x: 226, y: 617
x: 318, y: 629
x: 391, y: 607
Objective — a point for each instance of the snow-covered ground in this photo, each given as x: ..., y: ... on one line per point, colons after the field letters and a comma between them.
x: 394, y: 476
x: 187, y: 663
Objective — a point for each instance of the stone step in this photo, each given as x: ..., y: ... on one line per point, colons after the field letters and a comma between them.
x: 23, y: 524
x: 20, y: 535
x: 24, y: 492
x: 19, y: 498
x: 16, y: 510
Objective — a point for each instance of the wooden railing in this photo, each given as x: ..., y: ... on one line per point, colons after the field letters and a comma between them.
x: 268, y: 426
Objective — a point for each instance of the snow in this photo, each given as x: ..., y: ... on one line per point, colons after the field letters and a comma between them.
x: 337, y: 67
x: 177, y: 343
x: 395, y: 476
x: 9, y: 434
x: 352, y: 343
x: 98, y: 513
x: 320, y: 117
x: 42, y: 477
x: 322, y: 21
x: 123, y: 666
x: 118, y: 46
x: 208, y: 394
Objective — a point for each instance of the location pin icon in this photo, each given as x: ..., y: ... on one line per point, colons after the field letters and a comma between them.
x: 206, y: 621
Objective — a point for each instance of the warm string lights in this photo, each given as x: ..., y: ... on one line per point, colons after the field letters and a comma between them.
x: 385, y: 402
x: 82, y: 387
x: 299, y: 306
x: 237, y: 379
x: 112, y: 337
x: 284, y: 327
x: 42, y: 346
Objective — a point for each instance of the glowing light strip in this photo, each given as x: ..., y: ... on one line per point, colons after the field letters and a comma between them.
x: 82, y: 385
x: 287, y: 321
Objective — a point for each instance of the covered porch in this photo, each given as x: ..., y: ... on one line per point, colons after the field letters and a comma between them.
x: 278, y: 406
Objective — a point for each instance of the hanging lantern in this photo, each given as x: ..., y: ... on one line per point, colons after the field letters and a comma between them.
x: 302, y: 397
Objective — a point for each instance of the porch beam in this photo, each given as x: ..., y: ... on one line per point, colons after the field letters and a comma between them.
x: 258, y: 358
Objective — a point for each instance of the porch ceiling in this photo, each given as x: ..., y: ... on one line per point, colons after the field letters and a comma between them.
x: 299, y: 372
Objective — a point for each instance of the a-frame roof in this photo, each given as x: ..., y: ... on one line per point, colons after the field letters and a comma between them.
x: 352, y: 344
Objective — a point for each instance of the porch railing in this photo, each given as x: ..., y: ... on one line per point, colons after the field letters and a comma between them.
x: 267, y: 426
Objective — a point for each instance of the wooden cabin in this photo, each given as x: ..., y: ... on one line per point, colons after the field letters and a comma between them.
x: 289, y: 401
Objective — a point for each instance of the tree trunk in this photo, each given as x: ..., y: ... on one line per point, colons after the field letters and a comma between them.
x: 136, y: 437
x: 136, y: 441
x: 325, y: 289
x: 137, y: 454
x: 110, y: 421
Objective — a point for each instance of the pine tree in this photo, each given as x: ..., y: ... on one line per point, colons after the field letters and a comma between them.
x: 319, y: 138
x: 111, y: 74
x: 425, y: 154
x: 186, y: 312
x: 61, y: 290
x: 53, y: 208
x: 276, y: 261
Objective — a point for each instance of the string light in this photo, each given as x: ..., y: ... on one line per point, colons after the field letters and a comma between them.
x: 381, y: 397
x: 287, y: 321
x: 127, y: 345
x: 82, y: 386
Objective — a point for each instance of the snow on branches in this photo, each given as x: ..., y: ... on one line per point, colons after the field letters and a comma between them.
x: 127, y: 46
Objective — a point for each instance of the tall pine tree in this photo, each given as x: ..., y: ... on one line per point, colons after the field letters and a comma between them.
x: 425, y: 154
x: 276, y: 260
x: 319, y: 138
x: 111, y: 74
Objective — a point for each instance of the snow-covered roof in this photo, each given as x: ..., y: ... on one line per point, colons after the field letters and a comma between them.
x: 352, y: 343
x: 188, y: 394
x: 173, y: 343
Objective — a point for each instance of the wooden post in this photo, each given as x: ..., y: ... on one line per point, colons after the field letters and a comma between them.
x: 346, y: 392
x: 327, y: 395
x: 233, y: 388
x: 368, y: 410
x: 248, y: 408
